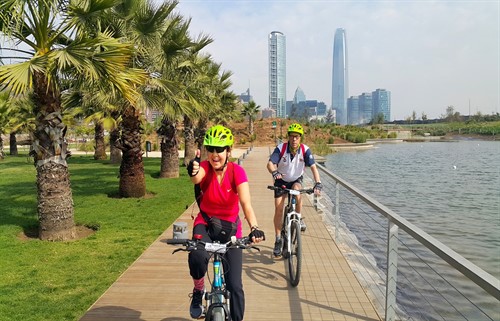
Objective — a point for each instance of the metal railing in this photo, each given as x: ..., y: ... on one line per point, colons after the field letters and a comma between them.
x: 394, y: 223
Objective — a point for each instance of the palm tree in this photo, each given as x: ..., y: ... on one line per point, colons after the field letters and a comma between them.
x: 181, y: 87
x: 250, y: 110
x: 4, y: 119
x: 143, y: 23
x: 58, y: 50
x: 21, y: 119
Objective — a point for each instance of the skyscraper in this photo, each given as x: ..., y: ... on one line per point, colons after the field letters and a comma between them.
x: 277, y: 73
x: 299, y: 96
x: 381, y: 100
x: 340, y: 84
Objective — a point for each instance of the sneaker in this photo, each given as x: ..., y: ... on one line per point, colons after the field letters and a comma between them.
x: 196, y: 307
x: 278, y: 246
x: 303, y: 225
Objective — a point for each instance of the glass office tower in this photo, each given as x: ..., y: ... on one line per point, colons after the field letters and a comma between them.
x: 381, y: 100
x: 277, y: 73
x: 340, y: 84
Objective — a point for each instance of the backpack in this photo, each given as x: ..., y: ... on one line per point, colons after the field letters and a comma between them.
x: 283, y: 150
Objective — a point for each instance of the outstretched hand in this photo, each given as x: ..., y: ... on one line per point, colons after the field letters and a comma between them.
x: 194, y: 165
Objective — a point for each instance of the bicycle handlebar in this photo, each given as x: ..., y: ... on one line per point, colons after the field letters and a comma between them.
x: 214, y: 247
x: 291, y: 191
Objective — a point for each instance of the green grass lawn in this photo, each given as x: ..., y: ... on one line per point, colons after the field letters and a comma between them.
x: 61, y: 280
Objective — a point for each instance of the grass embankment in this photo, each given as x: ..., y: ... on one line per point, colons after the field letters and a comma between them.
x: 61, y: 280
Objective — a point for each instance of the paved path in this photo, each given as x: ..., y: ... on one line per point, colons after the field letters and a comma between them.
x: 156, y: 286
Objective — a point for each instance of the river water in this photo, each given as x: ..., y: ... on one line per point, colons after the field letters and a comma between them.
x: 451, y: 190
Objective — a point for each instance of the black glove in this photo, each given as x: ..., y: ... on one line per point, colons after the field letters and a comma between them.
x: 318, y: 186
x: 276, y: 174
x: 256, y: 233
x: 190, y: 166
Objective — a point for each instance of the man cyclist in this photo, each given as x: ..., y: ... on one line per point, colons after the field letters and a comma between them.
x: 286, y: 164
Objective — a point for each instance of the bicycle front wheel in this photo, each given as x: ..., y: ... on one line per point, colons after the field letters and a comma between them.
x: 215, y: 311
x: 295, y: 253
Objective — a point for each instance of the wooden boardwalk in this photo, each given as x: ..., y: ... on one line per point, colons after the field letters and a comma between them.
x: 156, y: 286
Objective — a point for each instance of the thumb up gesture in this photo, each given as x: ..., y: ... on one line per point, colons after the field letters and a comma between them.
x: 194, y: 165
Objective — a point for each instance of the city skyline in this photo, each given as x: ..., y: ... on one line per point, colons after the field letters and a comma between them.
x: 430, y: 55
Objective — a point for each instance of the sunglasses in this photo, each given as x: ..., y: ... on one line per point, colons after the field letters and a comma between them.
x: 216, y: 149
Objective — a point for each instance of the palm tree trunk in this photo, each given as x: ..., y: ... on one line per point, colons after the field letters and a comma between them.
x: 199, y: 133
x: 2, y: 154
x: 169, y: 150
x: 189, y: 141
x: 13, y: 144
x: 49, y: 149
x: 115, y: 154
x: 132, y: 180
x: 100, y: 145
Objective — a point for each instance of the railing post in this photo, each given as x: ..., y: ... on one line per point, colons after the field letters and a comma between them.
x: 336, y: 218
x: 392, y: 272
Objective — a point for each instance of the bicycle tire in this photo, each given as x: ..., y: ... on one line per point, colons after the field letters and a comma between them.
x: 295, y: 255
x: 216, y: 313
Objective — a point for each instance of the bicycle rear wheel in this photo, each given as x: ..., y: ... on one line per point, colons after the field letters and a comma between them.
x: 295, y: 254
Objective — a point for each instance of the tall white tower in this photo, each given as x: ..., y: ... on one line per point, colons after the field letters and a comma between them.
x: 277, y: 73
x: 340, y: 83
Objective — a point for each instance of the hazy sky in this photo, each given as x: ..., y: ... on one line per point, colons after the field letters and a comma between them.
x: 428, y: 54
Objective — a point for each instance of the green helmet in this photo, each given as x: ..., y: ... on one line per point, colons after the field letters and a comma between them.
x: 296, y: 128
x: 218, y: 135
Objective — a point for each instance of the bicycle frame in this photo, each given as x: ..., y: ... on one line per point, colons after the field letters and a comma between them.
x: 218, y: 297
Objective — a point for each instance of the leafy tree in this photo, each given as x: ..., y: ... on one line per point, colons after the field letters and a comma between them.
x: 329, y: 118
x: 59, y: 50
x: 379, y: 119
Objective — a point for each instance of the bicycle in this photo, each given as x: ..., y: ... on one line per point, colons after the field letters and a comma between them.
x: 217, y: 300
x: 290, y: 233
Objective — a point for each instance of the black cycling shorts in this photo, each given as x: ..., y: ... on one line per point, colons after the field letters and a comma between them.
x: 281, y: 183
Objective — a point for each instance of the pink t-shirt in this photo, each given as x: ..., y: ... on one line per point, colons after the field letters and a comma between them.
x: 221, y: 200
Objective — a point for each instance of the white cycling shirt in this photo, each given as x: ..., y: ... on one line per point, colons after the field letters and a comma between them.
x: 291, y: 168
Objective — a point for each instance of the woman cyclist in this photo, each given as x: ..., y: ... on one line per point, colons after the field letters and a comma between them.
x: 223, y: 185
